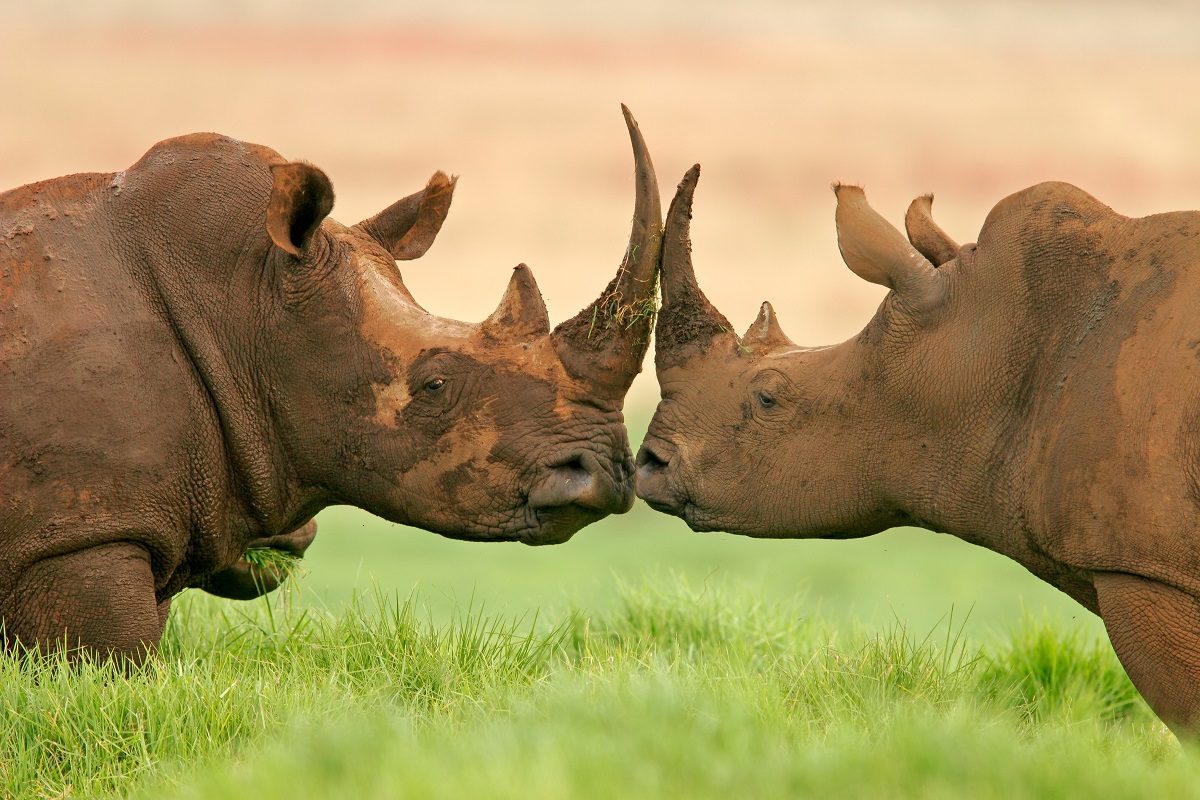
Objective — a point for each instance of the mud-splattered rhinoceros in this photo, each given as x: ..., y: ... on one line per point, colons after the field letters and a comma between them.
x: 1037, y: 394
x: 195, y: 359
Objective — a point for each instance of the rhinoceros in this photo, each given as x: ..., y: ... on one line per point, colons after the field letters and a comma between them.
x: 1036, y: 393
x: 195, y: 359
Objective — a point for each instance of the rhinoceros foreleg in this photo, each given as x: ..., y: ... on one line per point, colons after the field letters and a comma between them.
x: 100, y: 599
x: 1155, y: 630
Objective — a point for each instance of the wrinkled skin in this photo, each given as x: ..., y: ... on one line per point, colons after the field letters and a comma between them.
x: 1035, y: 393
x: 195, y: 359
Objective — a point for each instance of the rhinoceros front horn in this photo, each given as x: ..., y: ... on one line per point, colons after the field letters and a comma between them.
x: 687, y: 323
x: 605, y: 343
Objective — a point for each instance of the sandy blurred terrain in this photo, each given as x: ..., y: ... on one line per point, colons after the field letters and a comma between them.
x: 775, y: 99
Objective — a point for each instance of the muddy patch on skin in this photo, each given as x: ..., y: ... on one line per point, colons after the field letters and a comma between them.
x: 686, y: 327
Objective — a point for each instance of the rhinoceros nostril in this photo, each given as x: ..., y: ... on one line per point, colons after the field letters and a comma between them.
x: 569, y: 464
x: 578, y: 479
x: 655, y: 482
x: 648, y: 459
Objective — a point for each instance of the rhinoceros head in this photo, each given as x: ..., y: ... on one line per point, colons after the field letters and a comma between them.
x: 757, y: 435
x: 501, y: 430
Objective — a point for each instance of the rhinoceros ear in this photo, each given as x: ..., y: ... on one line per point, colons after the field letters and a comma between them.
x: 926, y: 235
x: 301, y: 197
x: 877, y: 252
x: 408, y: 227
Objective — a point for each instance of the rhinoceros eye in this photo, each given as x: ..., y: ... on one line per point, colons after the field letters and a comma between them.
x: 765, y: 400
x: 434, y: 384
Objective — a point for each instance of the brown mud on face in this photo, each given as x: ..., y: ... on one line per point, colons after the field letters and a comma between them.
x: 211, y: 360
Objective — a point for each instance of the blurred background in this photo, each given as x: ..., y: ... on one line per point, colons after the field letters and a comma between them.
x: 775, y: 98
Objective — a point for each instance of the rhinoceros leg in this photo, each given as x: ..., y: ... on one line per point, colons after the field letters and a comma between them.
x: 100, y: 599
x: 1155, y: 630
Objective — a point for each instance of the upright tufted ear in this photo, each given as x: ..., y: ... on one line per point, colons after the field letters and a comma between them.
x: 877, y: 252
x: 407, y: 227
x: 926, y: 235
x: 301, y: 197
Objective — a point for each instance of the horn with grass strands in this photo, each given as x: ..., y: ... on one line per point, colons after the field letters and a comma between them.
x: 606, y: 342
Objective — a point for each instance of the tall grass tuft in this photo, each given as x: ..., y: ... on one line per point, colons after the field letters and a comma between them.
x: 1043, y: 673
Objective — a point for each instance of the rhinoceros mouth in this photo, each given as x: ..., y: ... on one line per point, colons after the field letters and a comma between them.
x: 557, y: 525
x: 700, y: 522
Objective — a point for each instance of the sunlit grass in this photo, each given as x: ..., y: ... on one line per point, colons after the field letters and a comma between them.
x: 676, y: 690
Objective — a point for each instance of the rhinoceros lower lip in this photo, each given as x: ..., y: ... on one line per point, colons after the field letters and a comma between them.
x: 665, y: 506
x: 558, y: 524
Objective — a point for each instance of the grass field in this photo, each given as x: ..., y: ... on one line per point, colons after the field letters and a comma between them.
x: 673, y: 690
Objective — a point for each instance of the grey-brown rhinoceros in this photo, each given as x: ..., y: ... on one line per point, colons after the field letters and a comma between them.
x: 195, y: 359
x: 1037, y: 393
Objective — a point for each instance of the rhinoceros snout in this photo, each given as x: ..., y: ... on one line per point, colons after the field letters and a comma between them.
x: 578, y: 479
x: 653, y: 480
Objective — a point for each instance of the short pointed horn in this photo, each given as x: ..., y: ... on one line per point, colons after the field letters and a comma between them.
x: 764, y: 333
x: 521, y: 313
x: 926, y: 235
x: 687, y: 322
x: 606, y: 342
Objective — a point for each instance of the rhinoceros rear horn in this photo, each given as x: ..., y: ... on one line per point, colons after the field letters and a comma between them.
x: 606, y: 342
x: 521, y: 313
x: 687, y: 324
x: 926, y: 235
x: 407, y: 228
x: 764, y: 333
x: 877, y: 252
x: 301, y: 197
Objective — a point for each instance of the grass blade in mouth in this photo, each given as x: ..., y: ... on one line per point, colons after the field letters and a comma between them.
x: 279, y: 562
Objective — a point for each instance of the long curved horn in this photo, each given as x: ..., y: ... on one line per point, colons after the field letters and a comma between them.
x: 687, y: 322
x: 606, y: 342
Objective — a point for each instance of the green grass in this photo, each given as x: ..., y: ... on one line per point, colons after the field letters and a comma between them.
x: 905, y: 574
x: 278, y: 563
x: 675, y: 690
